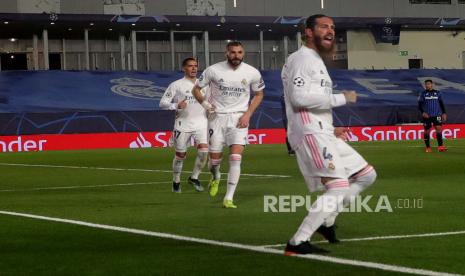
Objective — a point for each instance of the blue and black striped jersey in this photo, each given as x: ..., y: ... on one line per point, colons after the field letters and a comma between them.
x: 430, y: 101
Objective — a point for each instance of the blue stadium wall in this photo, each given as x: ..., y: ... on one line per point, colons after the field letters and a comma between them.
x: 63, y: 102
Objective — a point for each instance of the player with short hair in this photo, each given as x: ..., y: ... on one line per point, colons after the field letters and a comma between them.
x: 231, y: 83
x: 433, y: 112
x: 190, y: 122
x: 325, y: 161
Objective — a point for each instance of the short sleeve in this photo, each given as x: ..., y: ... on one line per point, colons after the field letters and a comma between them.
x: 204, y: 79
x: 257, y: 83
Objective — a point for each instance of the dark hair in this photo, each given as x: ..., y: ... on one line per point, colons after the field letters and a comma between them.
x: 233, y: 44
x: 310, y: 23
x: 185, y: 61
x: 428, y: 80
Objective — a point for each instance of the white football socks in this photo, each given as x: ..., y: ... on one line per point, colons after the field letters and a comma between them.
x: 233, y: 175
x: 200, y: 162
x: 214, y: 166
x: 326, y: 204
x: 177, y: 168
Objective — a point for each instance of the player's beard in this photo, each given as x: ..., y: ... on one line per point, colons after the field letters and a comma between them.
x: 321, y: 48
x: 235, y: 61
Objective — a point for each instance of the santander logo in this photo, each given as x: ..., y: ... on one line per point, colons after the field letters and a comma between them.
x: 19, y: 145
x: 389, y: 133
x: 140, y: 142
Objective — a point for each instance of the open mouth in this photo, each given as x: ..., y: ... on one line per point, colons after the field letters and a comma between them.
x: 328, y: 40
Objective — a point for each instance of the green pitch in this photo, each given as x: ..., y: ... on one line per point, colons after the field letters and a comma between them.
x: 85, y: 186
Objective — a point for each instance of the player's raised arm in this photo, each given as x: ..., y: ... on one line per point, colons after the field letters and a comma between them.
x: 166, y: 101
x: 202, y: 82
x: 198, y: 95
x: 197, y: 92
x: 304, y: 94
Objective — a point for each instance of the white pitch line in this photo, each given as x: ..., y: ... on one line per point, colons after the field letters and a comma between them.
x: 386, y: 237
x: 261, y: 249
x: 124, y: 169
x: 96, y: 186
x: 84, y: 186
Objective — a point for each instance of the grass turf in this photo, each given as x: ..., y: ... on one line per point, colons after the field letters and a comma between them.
x: 405, y: 172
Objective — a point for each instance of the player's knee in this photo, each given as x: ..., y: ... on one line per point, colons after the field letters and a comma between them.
x: 203, y: 154
x: 371, y: 177
x: 181, y: 155
x: 235, y: 157
x: 335, y: 183
x: 366, y: 177
x: 214, y: 154
x: 325, y: 180
x: 214, y: 162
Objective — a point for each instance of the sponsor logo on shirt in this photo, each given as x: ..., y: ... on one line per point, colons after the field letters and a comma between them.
x: 232, y: 91
x: 190, y: 99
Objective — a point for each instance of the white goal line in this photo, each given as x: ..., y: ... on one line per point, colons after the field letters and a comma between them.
x: 260, y: 249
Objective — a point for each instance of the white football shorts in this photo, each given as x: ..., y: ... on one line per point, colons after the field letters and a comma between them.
x: 324, y: 155
x: 223, y: 130
x: 182, y: 140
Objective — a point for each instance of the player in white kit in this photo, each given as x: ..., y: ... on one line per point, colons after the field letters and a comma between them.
x: 325, y: 161
x: 191, y: 122
x: 230, y: 84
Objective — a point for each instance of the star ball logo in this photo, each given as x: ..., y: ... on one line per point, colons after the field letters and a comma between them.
x: 299, y: 82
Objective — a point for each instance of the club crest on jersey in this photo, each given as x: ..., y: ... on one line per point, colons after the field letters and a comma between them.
x: 244, y: 82
x: 331, y: 166
x: 299, y: 82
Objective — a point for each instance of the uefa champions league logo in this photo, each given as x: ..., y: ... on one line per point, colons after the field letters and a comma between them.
x: 137, y: 88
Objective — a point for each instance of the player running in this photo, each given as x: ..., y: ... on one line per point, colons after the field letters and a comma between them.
x: 191, y: 122
x: 231, y: 83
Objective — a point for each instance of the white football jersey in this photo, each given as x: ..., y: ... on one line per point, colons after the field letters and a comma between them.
x: 230, y: 89
x: 191, y: 118
x: 308, y: 94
